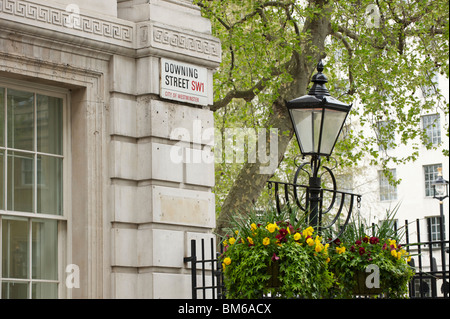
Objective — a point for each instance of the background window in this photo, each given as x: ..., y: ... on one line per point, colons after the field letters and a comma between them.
x: 431, y: 173
x: 387, y: 190
x: 434, y: 229
x: 432, y: 126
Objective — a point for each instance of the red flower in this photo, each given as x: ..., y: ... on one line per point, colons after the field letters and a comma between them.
x: 366, y: 239
x: 358, y: 242
x: 282, y: 233
x: 291, y: 229
x: 275, y: 257
x: 352, y: 249
x: 374, y: 240
x: 362, y: 250
x: 337, y: 241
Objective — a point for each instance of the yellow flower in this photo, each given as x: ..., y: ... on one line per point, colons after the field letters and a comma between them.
x: 227, y: 261
x: 297, y: 236
x: 310, y: 242
x: 325, y: 249
x: 232, y: 240
x: 328, y: 259
x: 225, y: 243
x: 340, y: 250
x: 236, y: 232
x: 250, y: 240
x: 393, y: 242
x: 272, y: 227
x: 308, y: 231
x: 266, y: 241
x: 318, y: 247
x: 394, y: 253
x: 253, y: 226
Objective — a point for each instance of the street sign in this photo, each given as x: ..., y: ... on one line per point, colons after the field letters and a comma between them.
x: 184, y: 82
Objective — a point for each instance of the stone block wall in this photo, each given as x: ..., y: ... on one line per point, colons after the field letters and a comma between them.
x: 139, y: 187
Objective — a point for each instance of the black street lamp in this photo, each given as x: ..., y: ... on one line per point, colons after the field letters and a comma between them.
x: 440, y: 192
x: 317, y: 119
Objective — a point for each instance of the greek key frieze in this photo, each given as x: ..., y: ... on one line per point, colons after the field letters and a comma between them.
x: 66, y: 19
x: 188, y: 44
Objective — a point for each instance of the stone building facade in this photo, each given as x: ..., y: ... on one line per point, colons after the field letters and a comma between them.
x: 106, y: 167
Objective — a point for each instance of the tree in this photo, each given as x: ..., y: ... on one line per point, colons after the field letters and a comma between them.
x: 380, y: 53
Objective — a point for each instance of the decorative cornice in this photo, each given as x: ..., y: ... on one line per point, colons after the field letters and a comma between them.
x: 170, y: 39
x: 57, y: 18
x: 108, y: 33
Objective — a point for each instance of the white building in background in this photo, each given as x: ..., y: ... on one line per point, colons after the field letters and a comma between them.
x: 414, y: 194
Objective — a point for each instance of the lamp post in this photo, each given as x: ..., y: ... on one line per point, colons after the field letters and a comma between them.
x: 317, y: 119
x: 440, y: 188
x: 440, y: 192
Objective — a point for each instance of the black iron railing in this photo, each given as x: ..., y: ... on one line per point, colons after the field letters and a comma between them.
x: 204, y: 279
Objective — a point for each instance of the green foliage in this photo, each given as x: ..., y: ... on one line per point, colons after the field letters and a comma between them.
x: 265, y: 239
x: 355, y: 250
x: 306, y: 266
x: 384, y: 63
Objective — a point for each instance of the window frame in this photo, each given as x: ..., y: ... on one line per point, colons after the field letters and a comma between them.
x: 431, y: 128
x: 434, y: 229
x: 63, y: 245
x: 383, y: 182
x: 428, y: 189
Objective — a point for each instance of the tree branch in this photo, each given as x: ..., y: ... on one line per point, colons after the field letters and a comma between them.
x: 339, y: 36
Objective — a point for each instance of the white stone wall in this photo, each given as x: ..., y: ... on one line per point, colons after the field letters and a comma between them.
x: 132, y: 208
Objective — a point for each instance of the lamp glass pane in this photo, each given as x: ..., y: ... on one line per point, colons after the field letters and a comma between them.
x: 307, y: 124
x: 332, y: 125
x: 439, y: 189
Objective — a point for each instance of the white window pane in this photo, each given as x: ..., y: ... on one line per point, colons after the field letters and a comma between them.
x: 50, y: 188
x: 15, y: 248
x: 49, y: 124
x: 20, y: 120
x: 44, y: 238
x: 14, y: 290
x: 44, y: 290
x: 20, y: 184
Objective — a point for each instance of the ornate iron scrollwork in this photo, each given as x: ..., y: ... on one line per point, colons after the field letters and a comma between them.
x: 287, y: 196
